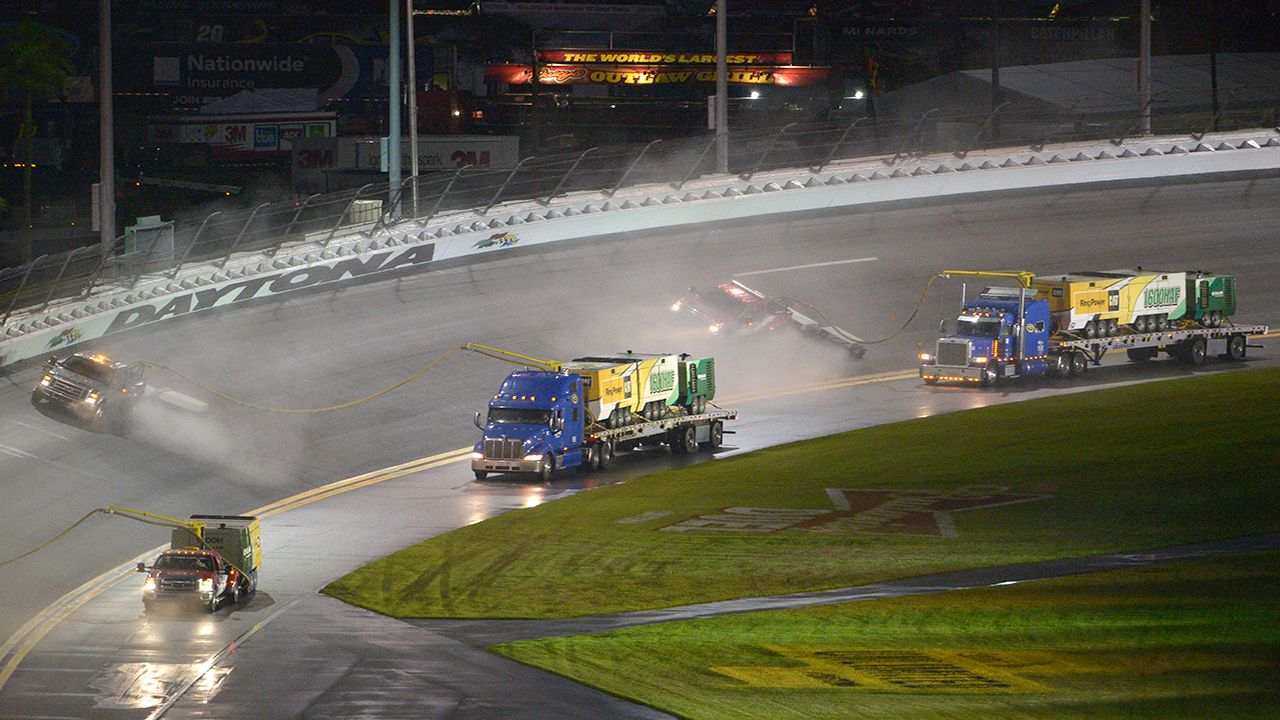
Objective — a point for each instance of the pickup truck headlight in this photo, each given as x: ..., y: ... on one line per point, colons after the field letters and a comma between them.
x: 206, y: 585
x: 46, y: 381
x: 714, y: 328
x: 92, y: 398
x: 675, y: 307
x: 149, y: 585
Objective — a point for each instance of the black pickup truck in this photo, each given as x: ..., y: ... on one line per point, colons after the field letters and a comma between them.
x: 90, y: 388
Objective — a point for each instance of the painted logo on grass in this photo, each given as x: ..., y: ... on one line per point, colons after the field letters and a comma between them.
x: 889, y: 671
x: 911, y: 512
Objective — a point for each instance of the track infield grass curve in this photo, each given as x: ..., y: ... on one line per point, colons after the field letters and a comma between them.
x: 1141, y: 466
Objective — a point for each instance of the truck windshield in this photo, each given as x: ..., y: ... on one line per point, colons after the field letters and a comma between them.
x: 88, y: 368
x: 183, y: 562
x: 984, y: 327
x: 519, y: 416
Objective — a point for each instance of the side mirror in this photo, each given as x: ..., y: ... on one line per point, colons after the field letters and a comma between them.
x: 942, y: 327
x: 142, y: 567
x: 557, y: 423
x: 136, y: 372
x: 476, y: 421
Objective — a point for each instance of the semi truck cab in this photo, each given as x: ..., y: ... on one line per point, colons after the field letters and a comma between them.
x: 1001, y: 333
x: 535, y: 424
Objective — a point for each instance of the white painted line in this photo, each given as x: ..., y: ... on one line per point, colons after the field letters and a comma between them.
x: 18, y: 453
x: 40, y: 430
x: 805, y: 267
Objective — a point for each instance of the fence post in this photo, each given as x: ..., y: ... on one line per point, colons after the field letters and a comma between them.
x: 97, y: 275
x: 394, y: 203
x: 962, y: 154
x: 289, y: 228
x: 440, y: 198
x: 611, y: 192
x: 236, y: 243
x: 192, y: 244
x: 22, y: 285
x: 1137, y: 122
x: 502, y: 187
x: 903, y: 152
x: 54, y: 285
x: 773, y: 142
x: 696, y: 164
x: 836, y: 148
x: 343, y: 214
x: 563, y: 179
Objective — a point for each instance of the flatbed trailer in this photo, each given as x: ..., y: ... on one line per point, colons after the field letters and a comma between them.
x: 1006, y: 333
x: 706, y: 429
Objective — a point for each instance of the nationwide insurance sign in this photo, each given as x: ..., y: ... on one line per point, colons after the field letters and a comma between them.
x: 195, y: 74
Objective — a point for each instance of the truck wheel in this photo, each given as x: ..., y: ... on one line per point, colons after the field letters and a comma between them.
x: 588, y: 460
x: 1142, y: 324
x: 1236, y: 347
x: 603, y: 456
x: 1141, y: 354
x: 1090, y: 330
x: 213, y: 605
x: 931, y: 381
x: 1113, y: 327
x: 684, y: 440
x: 481, y: 474
x: 1195, y: 352
x: 1162, y: 322
x: 544, y: 475
x: 717, y: 436
x: 235, y: 595
x: 146, y: 606
x: 1060, y: 366
x: 1079, y: 364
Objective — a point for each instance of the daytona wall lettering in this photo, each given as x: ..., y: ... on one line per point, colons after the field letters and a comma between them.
x: 275, y: 284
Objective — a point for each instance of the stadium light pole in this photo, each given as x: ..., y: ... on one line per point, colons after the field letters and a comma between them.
x: 393, y: 97
x: 1144, y: 64
x: 722, y: 88
x: 413, y: 104
x: 106, y: 133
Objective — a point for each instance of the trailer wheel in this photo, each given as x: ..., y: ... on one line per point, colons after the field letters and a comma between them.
x: 1215, y: 317
x: 1141, y: 354
x: 1090, y: 330
x: 1195, y: 351
x: 1079, y: 364
x: 684, y: 440
x: 1236, y: 347
x: 717, y: 436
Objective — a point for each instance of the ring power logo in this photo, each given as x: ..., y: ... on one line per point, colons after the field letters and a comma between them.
x: 912, y: 512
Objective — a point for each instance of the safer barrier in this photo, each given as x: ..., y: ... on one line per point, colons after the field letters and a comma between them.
x: 325, y: 255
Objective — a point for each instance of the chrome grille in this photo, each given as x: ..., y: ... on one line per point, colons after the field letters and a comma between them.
x: 177, y: 584
x: 953, y: 352
x: 65, y: 389
x: 503, y: 449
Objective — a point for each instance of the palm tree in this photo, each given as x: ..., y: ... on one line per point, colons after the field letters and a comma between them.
x: 34, y: 64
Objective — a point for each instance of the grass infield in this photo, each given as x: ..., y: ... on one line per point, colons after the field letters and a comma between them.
x: 1135, y: 467
x: 1188, y: 640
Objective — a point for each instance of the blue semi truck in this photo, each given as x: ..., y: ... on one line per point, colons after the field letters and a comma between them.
x: 578, y: 414
x: 1007, y: 332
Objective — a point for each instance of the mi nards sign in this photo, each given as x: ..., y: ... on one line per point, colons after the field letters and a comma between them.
x: 911, y: 512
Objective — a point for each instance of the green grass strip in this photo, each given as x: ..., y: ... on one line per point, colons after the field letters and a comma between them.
x: 1134, y: 467
x: 1187, y: 640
